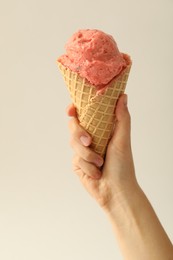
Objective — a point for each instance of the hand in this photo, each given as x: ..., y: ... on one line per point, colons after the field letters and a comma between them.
x: 117, y: 176
x: 115, y: 188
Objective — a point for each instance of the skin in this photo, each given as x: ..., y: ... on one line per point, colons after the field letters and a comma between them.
x: 113, y: 184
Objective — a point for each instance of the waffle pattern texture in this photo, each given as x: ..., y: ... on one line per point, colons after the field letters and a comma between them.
x: 96, y: 111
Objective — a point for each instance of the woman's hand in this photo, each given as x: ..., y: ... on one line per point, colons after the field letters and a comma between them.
x: 105, y: 180
x: 136, y: 226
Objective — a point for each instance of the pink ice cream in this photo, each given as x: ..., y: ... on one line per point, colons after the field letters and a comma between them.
x: 95, y: 56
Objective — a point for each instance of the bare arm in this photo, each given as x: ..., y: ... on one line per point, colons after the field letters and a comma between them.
x: 136, y: 226
x: 138, y: 230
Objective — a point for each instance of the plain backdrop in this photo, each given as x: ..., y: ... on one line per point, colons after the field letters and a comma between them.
x: 44, y: 211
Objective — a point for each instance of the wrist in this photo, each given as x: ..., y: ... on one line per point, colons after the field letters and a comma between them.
x: 125, y: 199
x: 137, y: 228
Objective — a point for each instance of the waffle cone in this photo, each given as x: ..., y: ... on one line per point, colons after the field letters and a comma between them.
x: 95, y: 110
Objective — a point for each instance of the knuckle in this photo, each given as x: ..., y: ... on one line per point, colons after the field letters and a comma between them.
x: 76, y: 166
x: 75, y: 162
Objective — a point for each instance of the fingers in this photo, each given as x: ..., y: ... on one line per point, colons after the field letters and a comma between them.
x: 78, y: 133
x: 82, y: 167
x: 75, y: 128
x: 86, y: 161
x: 80, y: 141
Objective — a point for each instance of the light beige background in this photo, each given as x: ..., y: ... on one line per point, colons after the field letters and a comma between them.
x: 44, y: 211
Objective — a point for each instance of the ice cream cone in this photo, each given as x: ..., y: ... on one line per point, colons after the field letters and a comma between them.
x: 95, y: 110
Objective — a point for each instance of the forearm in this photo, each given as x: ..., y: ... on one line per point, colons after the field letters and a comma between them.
x: 138, y: 230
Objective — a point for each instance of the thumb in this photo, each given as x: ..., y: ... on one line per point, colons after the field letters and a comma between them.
x: 121, y: 135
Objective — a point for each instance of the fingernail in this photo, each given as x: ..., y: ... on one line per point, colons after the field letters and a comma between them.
x: 85, y: 140
x: 99, y: 162
x: 125, y: 100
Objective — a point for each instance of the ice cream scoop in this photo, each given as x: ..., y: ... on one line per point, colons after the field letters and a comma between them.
x: 96, y: 74
x: 94, y: 55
